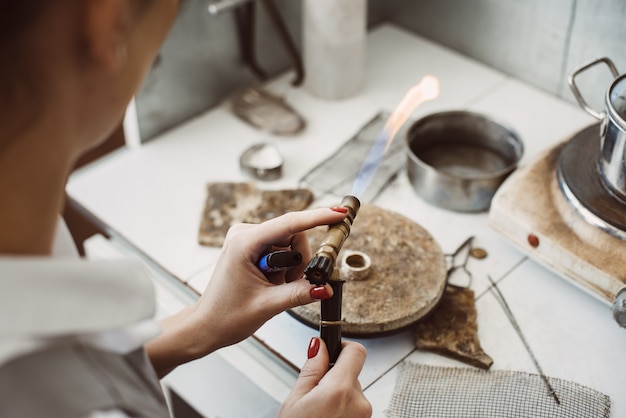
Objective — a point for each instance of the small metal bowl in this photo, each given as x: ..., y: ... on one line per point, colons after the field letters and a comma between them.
x: 458, y: 159
x: 262, y: 161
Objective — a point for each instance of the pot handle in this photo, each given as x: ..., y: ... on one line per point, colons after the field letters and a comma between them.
x: 574, y: 87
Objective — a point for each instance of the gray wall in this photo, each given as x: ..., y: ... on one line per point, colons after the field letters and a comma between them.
x: 200, y: 63
x: 538, y: 41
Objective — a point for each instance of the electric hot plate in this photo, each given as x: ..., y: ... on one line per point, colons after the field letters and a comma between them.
x: 405, y: 279
x: 556, y: 211
x: 581, y: 182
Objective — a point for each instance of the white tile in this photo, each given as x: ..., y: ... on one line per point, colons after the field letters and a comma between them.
x: 572, y: 334
x: 290, y: 338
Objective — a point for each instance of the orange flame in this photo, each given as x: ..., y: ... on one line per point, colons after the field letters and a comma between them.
x: 426, y: 89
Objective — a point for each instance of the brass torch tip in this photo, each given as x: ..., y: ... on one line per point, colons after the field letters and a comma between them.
x: 320, y: 268
x: 351, y: 201
x: 353, y: 204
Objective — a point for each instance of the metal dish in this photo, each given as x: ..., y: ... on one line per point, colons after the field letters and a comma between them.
x: 262, y: 161
x: 458, y: 159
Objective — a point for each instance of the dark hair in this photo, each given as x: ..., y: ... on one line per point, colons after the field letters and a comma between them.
x: 18, y: 73
x: 16, y: 16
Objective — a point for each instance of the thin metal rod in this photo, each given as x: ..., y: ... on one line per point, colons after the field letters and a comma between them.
x: 222, y: 6
x: 246, y: 23
x: 500, y: 298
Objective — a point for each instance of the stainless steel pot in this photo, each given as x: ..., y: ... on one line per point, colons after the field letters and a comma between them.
x: 458, y: 159
x: 612, y: 158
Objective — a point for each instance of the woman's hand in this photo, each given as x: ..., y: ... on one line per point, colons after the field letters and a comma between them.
x: 239, y: 297
x: 320, y: 392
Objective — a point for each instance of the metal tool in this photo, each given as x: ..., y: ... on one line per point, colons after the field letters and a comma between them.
x: 323, y: 269
x: 245, y: 10
x: 458, y: 262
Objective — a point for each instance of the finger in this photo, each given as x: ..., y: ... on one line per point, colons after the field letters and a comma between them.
x: 294, y: 273
x: 349, y: 363
x: 313, y: 369
x: 288, y: 225
x: 299, y: 243
x: 297, y: 293
x: 239, y: 227
x: 286, y: 243
x: 277, y: 278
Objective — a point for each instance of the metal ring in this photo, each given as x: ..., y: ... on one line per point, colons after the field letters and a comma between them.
x: 331, y: 323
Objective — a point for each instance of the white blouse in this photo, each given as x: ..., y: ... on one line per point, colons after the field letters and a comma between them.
x: 105, y: 304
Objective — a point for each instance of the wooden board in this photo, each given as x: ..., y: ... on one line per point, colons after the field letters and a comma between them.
x: 405, y: 282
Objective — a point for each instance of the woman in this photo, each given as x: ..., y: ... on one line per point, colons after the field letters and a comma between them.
x: 73, y: 332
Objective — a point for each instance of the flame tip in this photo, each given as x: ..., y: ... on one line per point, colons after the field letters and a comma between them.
x: 426, y: 89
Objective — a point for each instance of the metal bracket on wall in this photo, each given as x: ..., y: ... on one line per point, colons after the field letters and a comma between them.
x: 222, y: 6
x: 245, y: 10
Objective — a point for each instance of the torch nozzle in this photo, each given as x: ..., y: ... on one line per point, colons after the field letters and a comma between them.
x: 320, y: 268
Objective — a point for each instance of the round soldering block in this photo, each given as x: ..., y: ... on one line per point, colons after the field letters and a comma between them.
x: 405, y: 274
x: 262, y: 161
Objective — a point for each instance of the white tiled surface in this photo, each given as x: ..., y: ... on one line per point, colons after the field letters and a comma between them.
x: 161, y: 185
x: 153, y: 198
x: 568, y: 331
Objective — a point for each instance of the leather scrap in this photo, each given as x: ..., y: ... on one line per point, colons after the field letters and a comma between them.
x: 451, y: 329
x: 229, y: 203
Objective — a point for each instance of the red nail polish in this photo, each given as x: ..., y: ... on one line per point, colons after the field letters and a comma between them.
x: 340, y: 209
x: 319, y: 292
x: 314, y: 347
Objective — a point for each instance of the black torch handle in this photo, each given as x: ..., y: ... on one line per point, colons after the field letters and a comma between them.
x: 330, y: 324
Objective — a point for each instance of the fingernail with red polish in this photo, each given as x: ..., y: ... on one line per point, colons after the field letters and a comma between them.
x: 319, y: 292
x: 340, y: 209
x: 314, y: 347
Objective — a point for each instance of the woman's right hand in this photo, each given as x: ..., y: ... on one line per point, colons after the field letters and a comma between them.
x: 320, y: 392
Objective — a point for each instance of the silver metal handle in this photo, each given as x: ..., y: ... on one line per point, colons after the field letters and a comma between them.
x: 574, y: 87
x: 222, y: 6
x: 619, y: 307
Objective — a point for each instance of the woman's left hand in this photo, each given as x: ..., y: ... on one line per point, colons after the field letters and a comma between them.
x: 239, y: 297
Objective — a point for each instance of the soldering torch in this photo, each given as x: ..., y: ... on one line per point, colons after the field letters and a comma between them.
x: 323, y: 269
